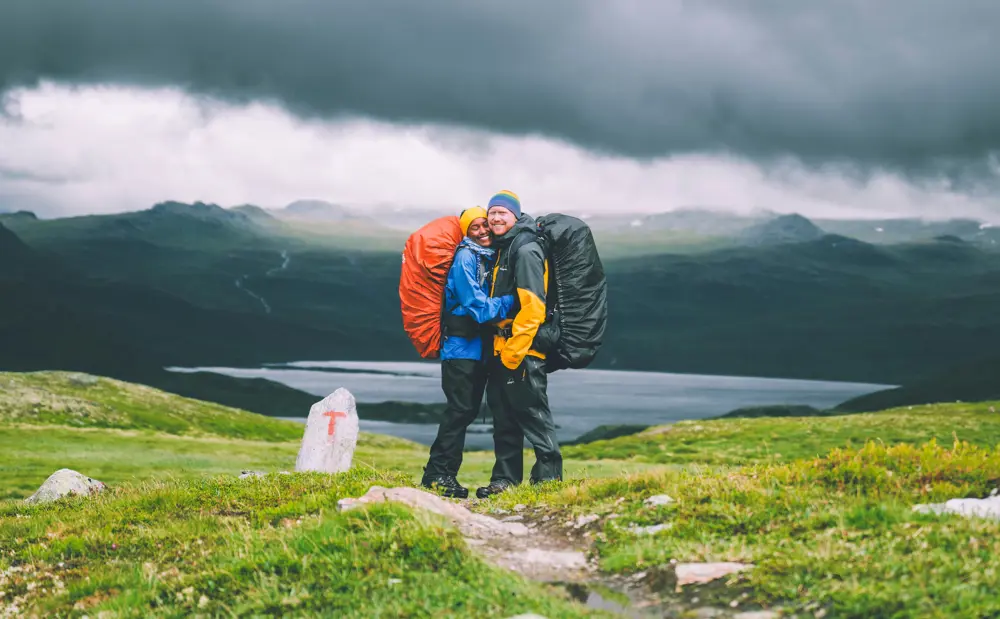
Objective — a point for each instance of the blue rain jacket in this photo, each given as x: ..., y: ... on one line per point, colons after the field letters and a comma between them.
x: 465, y: 294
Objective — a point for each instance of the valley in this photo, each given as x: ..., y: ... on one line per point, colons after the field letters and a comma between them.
x: 691, y: 292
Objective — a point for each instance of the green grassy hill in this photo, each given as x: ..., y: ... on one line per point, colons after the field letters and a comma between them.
x: 821, y: 507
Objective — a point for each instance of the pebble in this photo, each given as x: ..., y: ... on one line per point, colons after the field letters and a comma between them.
x: 583, y: 521
x: 701, y: 573
x: 650, y: 530
x: 658, y: 500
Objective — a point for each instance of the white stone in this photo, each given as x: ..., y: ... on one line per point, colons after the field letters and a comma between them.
x: 554, y: 559
x: 331, y: 434
x: 651, y: 529
x: 977, y: 508
x: 62, y: 483
x: 658, y: 499
x: 757, y: 614
x: 470, y: 524
x: 583, y: 521
x: 700, y: 573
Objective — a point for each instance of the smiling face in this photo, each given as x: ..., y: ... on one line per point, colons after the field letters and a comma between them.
x: 479, y: 232
x: 501, y: 220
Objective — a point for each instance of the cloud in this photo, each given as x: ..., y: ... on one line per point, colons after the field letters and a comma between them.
x: 897, y: 84
x: 109, y: 149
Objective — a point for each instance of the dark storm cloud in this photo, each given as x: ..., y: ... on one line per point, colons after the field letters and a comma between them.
x: 907, y: 84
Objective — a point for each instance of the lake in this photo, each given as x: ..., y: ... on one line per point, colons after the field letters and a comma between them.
x: 580, y: 400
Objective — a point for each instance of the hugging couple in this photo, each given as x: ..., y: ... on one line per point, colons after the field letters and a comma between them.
x: 492, y: 326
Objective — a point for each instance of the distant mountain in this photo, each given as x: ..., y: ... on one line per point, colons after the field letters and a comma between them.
x: 833, y: 308
x: 783, y: 229
x: 904, y: 230
x: 971, y: 381
x: 6, y: 216
x: 317, y: 210
x: 16, y: 258
x: 701, y: 222
x: 254, y: 213
x: 228, y: 287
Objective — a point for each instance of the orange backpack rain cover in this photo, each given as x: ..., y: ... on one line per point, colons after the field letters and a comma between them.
x: 427, y: 256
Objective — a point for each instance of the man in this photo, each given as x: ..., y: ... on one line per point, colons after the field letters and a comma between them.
x: 467, y: 306
x: 517, y: 385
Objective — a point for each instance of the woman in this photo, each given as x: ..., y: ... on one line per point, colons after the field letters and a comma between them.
x: 467, y: 306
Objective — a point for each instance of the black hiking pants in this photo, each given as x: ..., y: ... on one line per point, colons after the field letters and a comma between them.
x: 463, y: 382
x: 519, y: 402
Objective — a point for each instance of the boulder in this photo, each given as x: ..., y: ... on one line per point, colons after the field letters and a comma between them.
x: 331, y: 434
x: 65, y: 482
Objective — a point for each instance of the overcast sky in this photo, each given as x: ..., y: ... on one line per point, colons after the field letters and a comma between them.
x: 836, y: 108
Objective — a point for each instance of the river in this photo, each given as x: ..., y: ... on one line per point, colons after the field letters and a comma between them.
x: 580, y: 400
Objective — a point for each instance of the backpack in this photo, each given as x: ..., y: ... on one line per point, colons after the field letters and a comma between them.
x: 427, y: 256
x: 578, y: 302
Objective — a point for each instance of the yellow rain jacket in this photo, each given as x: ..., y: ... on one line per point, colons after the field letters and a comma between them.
x: 521, y: 270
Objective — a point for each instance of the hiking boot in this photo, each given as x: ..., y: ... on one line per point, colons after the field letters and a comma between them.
x: 446, y: 485
x: 495, y: 487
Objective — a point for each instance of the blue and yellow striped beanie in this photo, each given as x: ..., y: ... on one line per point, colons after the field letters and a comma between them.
x: 508, y: 200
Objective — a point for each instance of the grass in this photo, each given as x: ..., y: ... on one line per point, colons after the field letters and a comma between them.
x: 81, y: 400
x: 261, y: 547
x: 834, y: 535
x: 29, y: 454
x: 121, y: 432
x: 822, y: 507
x: 741, y: 441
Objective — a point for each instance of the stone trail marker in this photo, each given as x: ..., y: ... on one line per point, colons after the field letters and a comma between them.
x: 331, y: 434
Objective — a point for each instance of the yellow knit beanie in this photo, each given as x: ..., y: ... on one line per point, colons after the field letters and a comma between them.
x: 470, y: 215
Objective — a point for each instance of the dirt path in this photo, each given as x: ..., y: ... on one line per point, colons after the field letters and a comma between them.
x: 548, y: 547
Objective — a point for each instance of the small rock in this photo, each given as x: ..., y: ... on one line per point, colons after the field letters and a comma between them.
x: 707, y: 612
x: 658, y: 500
x: 520, y: 508
x: 978, y: 508
x: 757, y: 614
x: 650, y: 530
x: 395, y: 581
x: 512, y: 519
x: 583, y: 521
x: 701, y: 573
x: 65, y: 482
x: 246, y: 474
x: 82, y: 380
x: 554, y: 559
